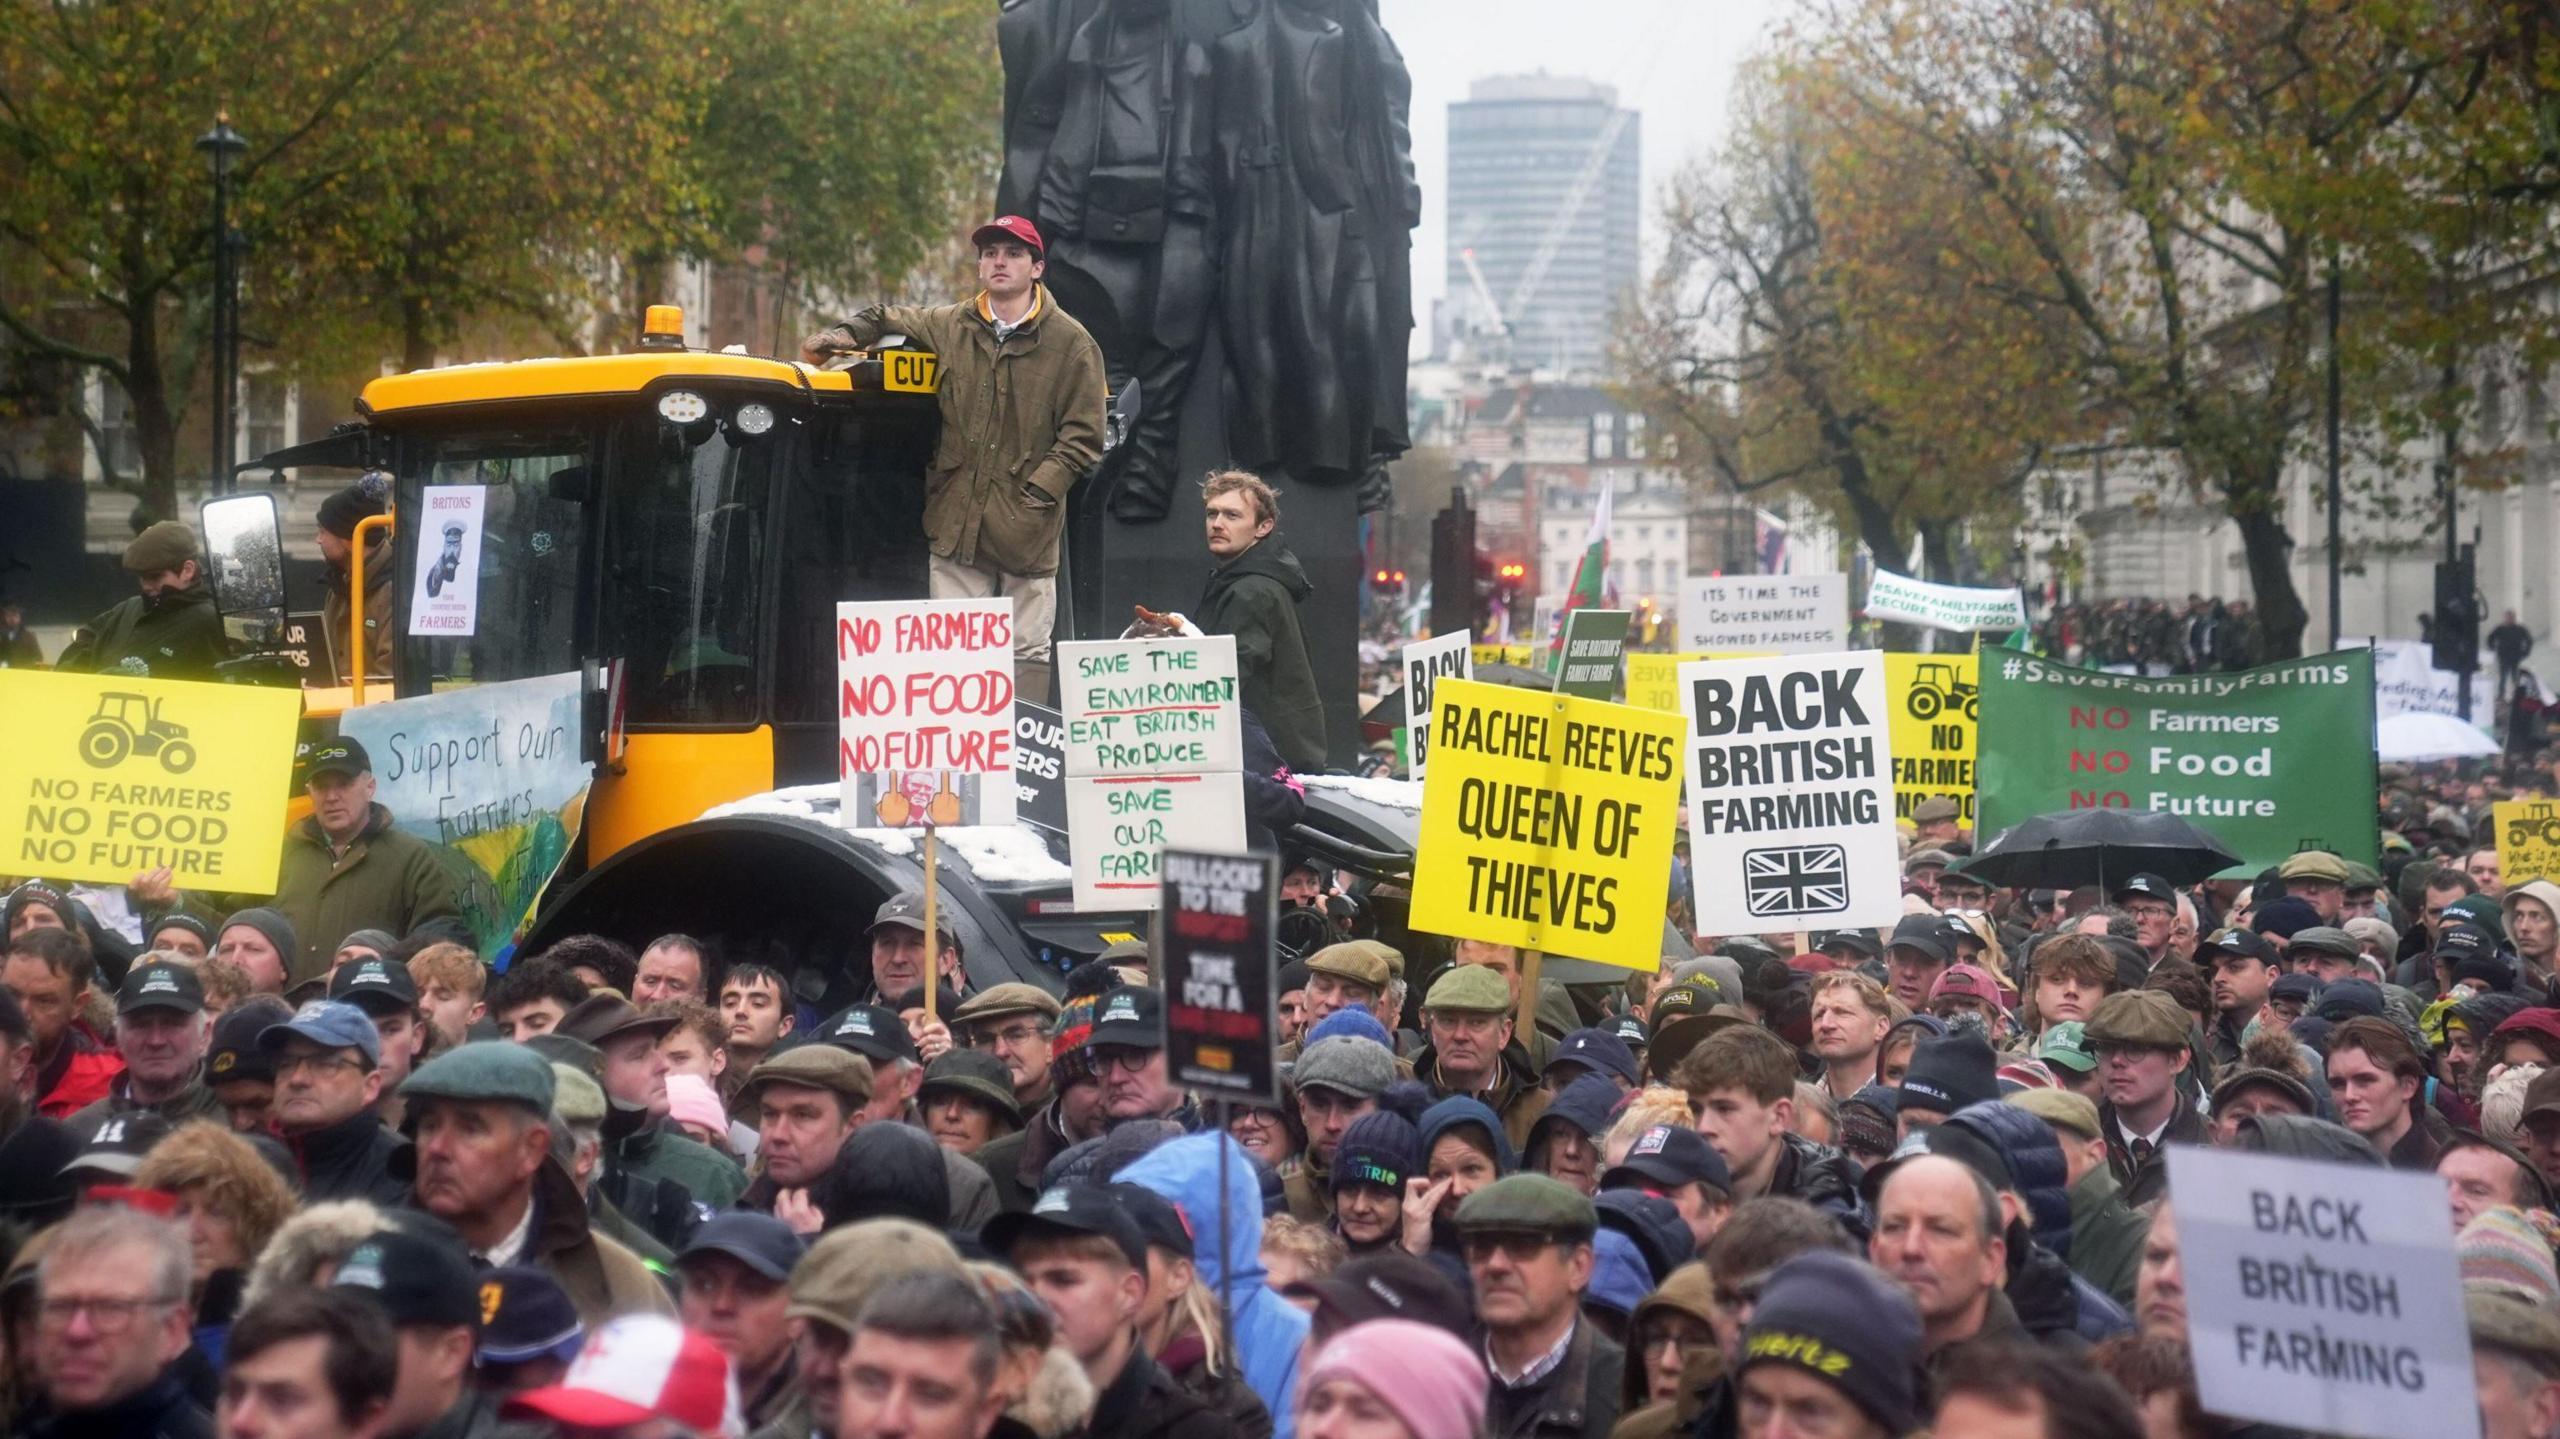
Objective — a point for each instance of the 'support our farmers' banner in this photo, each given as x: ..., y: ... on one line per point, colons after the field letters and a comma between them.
x: 924, y: 711
x: 1936, y: 701
x: 1944, y: 607
x: 493, y: 776
x: 2269, y: 761
x: 1547, y: 822
x: 106, y: 776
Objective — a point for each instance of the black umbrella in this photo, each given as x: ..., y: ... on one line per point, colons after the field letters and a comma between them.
x: 2074, y: 847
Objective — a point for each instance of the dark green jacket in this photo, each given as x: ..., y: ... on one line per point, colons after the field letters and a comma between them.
x: 656, y: 1149
x: 1026, y: 410
x: 1254, y: 597
x: 2107, y: 1235
x: 386, y: 880
x: 180, y: 639
x: 193, y: 1102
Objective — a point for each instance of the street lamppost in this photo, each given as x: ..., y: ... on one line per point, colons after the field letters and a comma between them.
x: 222, y: 146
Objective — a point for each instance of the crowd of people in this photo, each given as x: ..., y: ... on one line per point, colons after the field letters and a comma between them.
x: 2156, y: 637
x: 1860, y: 1183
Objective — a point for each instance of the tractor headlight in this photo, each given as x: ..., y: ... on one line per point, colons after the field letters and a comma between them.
x: 682, y: 407
x: 753, y: 418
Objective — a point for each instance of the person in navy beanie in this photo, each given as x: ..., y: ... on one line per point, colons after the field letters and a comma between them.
x: 1831, y: 1334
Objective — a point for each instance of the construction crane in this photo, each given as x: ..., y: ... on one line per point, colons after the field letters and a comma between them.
x: 1552, y: 243
x: 1492, y: 307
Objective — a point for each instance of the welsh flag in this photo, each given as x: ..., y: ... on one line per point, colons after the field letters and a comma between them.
x: 1590, y: 575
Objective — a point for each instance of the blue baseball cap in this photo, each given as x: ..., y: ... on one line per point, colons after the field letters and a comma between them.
x: 525, y: 1314
x: 331, y: 1024
x: 759, y: 1241
x: 1600, y: 1051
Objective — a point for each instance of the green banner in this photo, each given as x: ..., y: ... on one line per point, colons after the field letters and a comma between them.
x: 2269, y: 761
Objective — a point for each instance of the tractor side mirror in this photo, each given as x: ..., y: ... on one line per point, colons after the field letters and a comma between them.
x: 244, y: 554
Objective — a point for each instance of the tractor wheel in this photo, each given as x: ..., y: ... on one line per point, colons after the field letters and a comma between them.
x: 105, y: 744
x: 1973, y: 708
x: 2551, y: 831
x: 1925, y: 703
x: 177, y: 756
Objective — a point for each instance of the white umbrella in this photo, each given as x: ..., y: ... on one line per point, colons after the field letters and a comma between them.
x: 2409, y: 738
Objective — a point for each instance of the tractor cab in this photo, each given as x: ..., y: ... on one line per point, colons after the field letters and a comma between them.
x: 676, y: 525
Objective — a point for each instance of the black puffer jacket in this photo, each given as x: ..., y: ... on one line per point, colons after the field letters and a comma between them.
x: 2036, y: 1167
x: 1824, y: 1178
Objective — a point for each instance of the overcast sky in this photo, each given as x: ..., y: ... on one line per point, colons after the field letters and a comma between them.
x: 1671, y: 60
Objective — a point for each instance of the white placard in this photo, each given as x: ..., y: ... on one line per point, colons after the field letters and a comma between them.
x: 1121, y: 825
x: 2322, y: 1297
x: 1764, y: 614
x: 1944, y: 607
x: 924, y: 709
x: 1151, y: 706
x: 444, y: 594
x: 2406, y: 681
x: 1426, y: 663
x: 1791, y: 793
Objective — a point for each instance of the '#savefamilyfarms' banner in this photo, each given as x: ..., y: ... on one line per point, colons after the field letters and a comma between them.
x: 2269, y: 761
x: 1944, y: 607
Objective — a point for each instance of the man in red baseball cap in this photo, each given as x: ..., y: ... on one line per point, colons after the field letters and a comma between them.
x: 1022, y: 393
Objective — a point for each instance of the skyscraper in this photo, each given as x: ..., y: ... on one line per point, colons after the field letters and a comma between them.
x: 1545, y: 191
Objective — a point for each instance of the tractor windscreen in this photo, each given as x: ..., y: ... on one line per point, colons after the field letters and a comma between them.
x: 492, y: 571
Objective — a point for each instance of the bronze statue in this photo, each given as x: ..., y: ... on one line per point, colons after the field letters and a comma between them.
x: 1247, y: 162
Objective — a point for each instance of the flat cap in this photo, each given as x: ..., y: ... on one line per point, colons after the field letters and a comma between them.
x: 1469, y: 988
x: 1360, y: 963
x: 486, y: 1069
x: 1936, y: 809
x: 1361, y: 1068
x: 2317, y: 864
x: 838, y: 1274
x: 2061, y: 1107
x: 601, y: 1018
x: 2504, y: 1321
x: 2233, y: 1082
x: 2144, y: 1017
x: 163, y: 546
x: 974, y: 1073
x: 1008, y: 999
x: 1532, y: 1202
x: 1920, y: 858
x: 2325, y: 939
x: 576, y: 1097
x: 815, y: 1066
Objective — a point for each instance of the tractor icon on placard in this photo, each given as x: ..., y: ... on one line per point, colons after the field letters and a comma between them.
x: 128, y: 724
x: 2539, y: 821
x: 1935, y: 689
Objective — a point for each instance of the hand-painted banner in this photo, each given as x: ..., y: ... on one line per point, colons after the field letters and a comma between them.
x: 1154, y: 757
x: 1765, y: 614
x: 925, y: 711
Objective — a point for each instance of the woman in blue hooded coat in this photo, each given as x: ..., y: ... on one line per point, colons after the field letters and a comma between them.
x: 1268, y: 1330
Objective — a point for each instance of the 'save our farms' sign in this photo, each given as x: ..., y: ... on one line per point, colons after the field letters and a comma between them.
x: 1154, y: 757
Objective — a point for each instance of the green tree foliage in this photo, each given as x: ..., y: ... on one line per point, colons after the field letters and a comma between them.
x: 2174, y: 181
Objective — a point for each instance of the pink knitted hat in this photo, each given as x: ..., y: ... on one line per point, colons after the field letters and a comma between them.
x: 691, y: 1100
x: 1434, y: 1383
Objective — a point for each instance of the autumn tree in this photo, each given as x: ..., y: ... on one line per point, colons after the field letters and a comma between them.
x: 1811, y: 330
x: 2175, y: 180
x: 105, y: 230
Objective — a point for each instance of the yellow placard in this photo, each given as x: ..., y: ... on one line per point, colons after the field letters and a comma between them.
x: 104, y: 777
x: 1525, y: 656
x: 1936, y: 704
x: 2528, y: 836
x: 1653, y: 680
x: 1547, y: 822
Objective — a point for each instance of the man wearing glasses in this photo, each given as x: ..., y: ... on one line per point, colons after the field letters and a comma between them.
x: 1012, y: 1022
x: 111, y: 1319
x: 1527, y: 1242
x: 1127, y: 1049
x: 328, y: 1061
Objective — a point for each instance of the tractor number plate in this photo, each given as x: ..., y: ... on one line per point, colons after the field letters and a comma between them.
x: 909, y: 370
